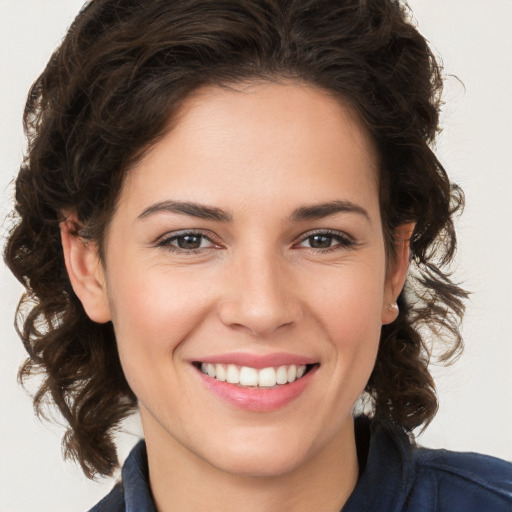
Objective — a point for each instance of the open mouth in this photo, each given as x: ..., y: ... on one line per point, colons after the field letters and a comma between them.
x: 246, y: 376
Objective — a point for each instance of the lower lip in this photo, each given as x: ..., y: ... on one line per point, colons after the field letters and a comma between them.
x: 258, y: 399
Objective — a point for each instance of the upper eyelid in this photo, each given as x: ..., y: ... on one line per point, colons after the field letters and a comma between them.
x: 183, y: 232
x: 166, y: 242
x: 332, y: 232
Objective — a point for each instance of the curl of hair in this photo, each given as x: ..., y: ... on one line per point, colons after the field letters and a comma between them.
x: 109, y: 92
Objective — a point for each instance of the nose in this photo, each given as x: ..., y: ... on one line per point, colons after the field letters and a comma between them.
x: 260, y: 296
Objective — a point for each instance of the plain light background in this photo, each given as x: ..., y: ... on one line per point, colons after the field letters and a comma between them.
x: 474, y: 40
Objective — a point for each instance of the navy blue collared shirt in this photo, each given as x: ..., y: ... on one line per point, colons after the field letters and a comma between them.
x: 395, y: 476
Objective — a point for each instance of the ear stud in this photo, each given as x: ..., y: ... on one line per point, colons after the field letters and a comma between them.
x: 393, y: 307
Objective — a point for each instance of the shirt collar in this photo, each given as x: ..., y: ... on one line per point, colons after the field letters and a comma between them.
x: 385, y: 479
x: 135, y: 479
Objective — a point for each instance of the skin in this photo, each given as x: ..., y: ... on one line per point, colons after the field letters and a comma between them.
x: 256, y: 284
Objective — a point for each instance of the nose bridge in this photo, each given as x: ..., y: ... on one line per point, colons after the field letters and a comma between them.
x: 260, y: 294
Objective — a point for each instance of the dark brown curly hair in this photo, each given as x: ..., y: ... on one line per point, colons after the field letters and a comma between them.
x: 108, y: 94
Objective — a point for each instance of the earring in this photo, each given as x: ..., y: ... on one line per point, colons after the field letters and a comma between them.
x: 393, y: 307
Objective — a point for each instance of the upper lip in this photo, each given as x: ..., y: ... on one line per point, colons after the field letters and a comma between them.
x: 256, y: 360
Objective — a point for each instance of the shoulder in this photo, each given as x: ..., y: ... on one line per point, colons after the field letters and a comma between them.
x: 112, y: 502
x: 399, y: 476
x: 466, y: 482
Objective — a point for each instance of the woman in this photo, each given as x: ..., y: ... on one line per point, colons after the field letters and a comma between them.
x: 216, y: 220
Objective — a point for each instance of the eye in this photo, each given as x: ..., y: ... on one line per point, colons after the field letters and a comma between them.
x: 326, y: 240
x: 187, y: 242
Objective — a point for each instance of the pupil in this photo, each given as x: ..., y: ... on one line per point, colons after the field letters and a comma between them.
x: 320, y: 241
x: 189, y: 242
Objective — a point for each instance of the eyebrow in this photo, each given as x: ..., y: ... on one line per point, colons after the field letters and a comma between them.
x: 319, y: 211
x: 200, y: 211
x: 303, y: 213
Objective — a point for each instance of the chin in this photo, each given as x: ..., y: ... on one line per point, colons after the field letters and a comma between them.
x: 262, y: 465
x: 271, y: 457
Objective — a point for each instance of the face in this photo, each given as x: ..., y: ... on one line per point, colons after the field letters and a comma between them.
x: 245, y: 275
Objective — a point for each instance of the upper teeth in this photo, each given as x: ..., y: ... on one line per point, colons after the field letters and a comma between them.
x: 247, y: 376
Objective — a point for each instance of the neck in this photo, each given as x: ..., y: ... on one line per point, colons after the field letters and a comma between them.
x: 183, y: 482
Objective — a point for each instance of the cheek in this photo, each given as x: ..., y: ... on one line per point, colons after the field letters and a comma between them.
x: 351, y: 311
x: 151, y: 316
x: 351, y: 300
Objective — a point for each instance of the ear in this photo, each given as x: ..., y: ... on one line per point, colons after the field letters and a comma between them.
x: 85, y: 271
x: 397, y: 272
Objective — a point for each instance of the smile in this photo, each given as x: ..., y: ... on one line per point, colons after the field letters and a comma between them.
x: 259, y: 384
x: 247, y: 376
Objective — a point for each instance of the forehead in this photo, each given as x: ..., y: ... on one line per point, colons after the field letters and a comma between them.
x: 262, y: 140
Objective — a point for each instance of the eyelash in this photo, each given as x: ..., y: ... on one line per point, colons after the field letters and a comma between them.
x: 343, y: 241
x: 165, y: 242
